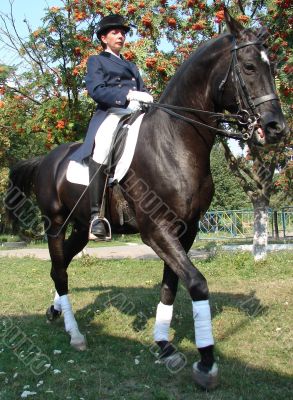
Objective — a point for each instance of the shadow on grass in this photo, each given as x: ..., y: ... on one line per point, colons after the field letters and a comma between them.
x: 111, y: 371
x: 140, y: 301
x: 237, y: 377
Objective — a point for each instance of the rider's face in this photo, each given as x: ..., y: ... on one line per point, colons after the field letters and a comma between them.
x: 114, y: 40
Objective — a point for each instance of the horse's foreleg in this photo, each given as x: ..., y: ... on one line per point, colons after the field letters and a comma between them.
x: 61, y: 301
x: 202, y: 317
x: 171, y: 251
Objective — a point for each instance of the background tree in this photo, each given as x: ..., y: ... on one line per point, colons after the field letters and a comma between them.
x: 43, y: 103
x: 228, y: 193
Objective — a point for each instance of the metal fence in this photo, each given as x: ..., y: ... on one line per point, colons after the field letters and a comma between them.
x: 239, y: 224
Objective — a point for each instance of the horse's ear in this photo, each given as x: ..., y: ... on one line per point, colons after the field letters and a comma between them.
x: 234, y: 27
x: 263, y: 35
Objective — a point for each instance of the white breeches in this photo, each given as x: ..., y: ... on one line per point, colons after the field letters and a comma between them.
x: 105, y: 133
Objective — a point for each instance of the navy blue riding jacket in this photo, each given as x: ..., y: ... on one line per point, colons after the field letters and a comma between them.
x: 108, y: 81
x: 110, y: 78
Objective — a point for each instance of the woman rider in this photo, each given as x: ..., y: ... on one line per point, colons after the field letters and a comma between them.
x: 116, y: 86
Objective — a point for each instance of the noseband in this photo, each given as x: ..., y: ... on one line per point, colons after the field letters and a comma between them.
x: 246, y: 116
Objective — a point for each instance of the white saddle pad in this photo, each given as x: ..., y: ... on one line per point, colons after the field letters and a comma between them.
x: 79, y: 172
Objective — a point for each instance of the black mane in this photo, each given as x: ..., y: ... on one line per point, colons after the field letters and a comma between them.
x: 189, y: 67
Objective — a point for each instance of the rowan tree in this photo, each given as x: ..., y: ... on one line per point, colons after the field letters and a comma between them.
x: 43, y: 101
x: 165, y: 33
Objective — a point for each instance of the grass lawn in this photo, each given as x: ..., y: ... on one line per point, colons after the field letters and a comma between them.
x: 115, y: 304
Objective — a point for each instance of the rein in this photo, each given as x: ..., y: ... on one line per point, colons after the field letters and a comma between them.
x: 222, y: 132
x: 249, y: 119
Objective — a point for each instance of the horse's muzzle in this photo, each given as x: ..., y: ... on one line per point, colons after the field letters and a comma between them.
x: 275, y: 127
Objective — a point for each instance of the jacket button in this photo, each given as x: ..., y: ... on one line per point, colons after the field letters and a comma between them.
x: 134, y: 87
x: 118, y: 102
x: 133, y: 79
x: 119, y: 85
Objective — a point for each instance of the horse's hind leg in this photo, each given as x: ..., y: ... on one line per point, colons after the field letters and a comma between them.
x: 163, y: 319
x: 76, y: 242
x: 72, y: 246
x: 60, y: 260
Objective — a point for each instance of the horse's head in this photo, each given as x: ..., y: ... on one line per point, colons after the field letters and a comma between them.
x: 251, y: 90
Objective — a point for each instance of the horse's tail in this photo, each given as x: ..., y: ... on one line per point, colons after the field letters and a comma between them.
x: 20, y: 185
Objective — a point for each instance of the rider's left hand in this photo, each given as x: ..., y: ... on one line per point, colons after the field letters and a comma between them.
x: 140, y: 96
x: 133, y: 106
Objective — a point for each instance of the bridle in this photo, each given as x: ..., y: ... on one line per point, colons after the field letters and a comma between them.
x: 246, y: 104
x: 246, y: 116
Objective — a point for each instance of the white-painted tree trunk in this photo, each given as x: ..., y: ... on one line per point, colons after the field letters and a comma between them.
x: 260, y: 239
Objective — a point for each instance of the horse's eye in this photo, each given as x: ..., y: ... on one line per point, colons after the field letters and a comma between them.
x: 249, y: 67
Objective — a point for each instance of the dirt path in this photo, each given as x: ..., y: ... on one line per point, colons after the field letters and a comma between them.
x: 136, y: 251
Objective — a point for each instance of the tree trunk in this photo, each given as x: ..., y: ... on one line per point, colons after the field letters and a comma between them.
x: 260, y: 238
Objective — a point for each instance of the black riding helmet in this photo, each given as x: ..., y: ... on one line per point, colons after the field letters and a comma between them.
x: 110, y: 22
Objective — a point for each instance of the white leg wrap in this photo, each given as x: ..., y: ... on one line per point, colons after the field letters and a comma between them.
x: 69, y: 319
x: 202, y: 323
x: 163, y: 321
x: 57, y: 302
x: 77, y: 339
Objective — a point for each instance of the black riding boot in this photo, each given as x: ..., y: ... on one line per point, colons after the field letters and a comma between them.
x: 97, y: 177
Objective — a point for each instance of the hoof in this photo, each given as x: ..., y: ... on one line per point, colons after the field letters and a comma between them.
x: 52, y: 314
x: 169, y: 356
x: 175, y: 362
x: 79, y: 343
x: 207, y: 380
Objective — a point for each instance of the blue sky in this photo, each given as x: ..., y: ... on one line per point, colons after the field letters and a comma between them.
x: 32, y: 10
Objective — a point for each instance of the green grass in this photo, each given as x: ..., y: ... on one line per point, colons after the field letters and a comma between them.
x: 9, y: 238
x: 115, y: 304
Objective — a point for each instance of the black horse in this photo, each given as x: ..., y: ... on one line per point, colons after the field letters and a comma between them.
x: 169, y: 185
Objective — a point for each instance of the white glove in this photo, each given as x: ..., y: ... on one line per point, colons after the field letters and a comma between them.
x: 133, y: 106
x: 139, y: 96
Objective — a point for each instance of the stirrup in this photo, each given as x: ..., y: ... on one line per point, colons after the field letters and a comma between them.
x: 107, y: 227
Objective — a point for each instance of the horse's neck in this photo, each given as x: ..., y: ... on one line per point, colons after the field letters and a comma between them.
x: 175, y: 146
x: 193, y: 84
